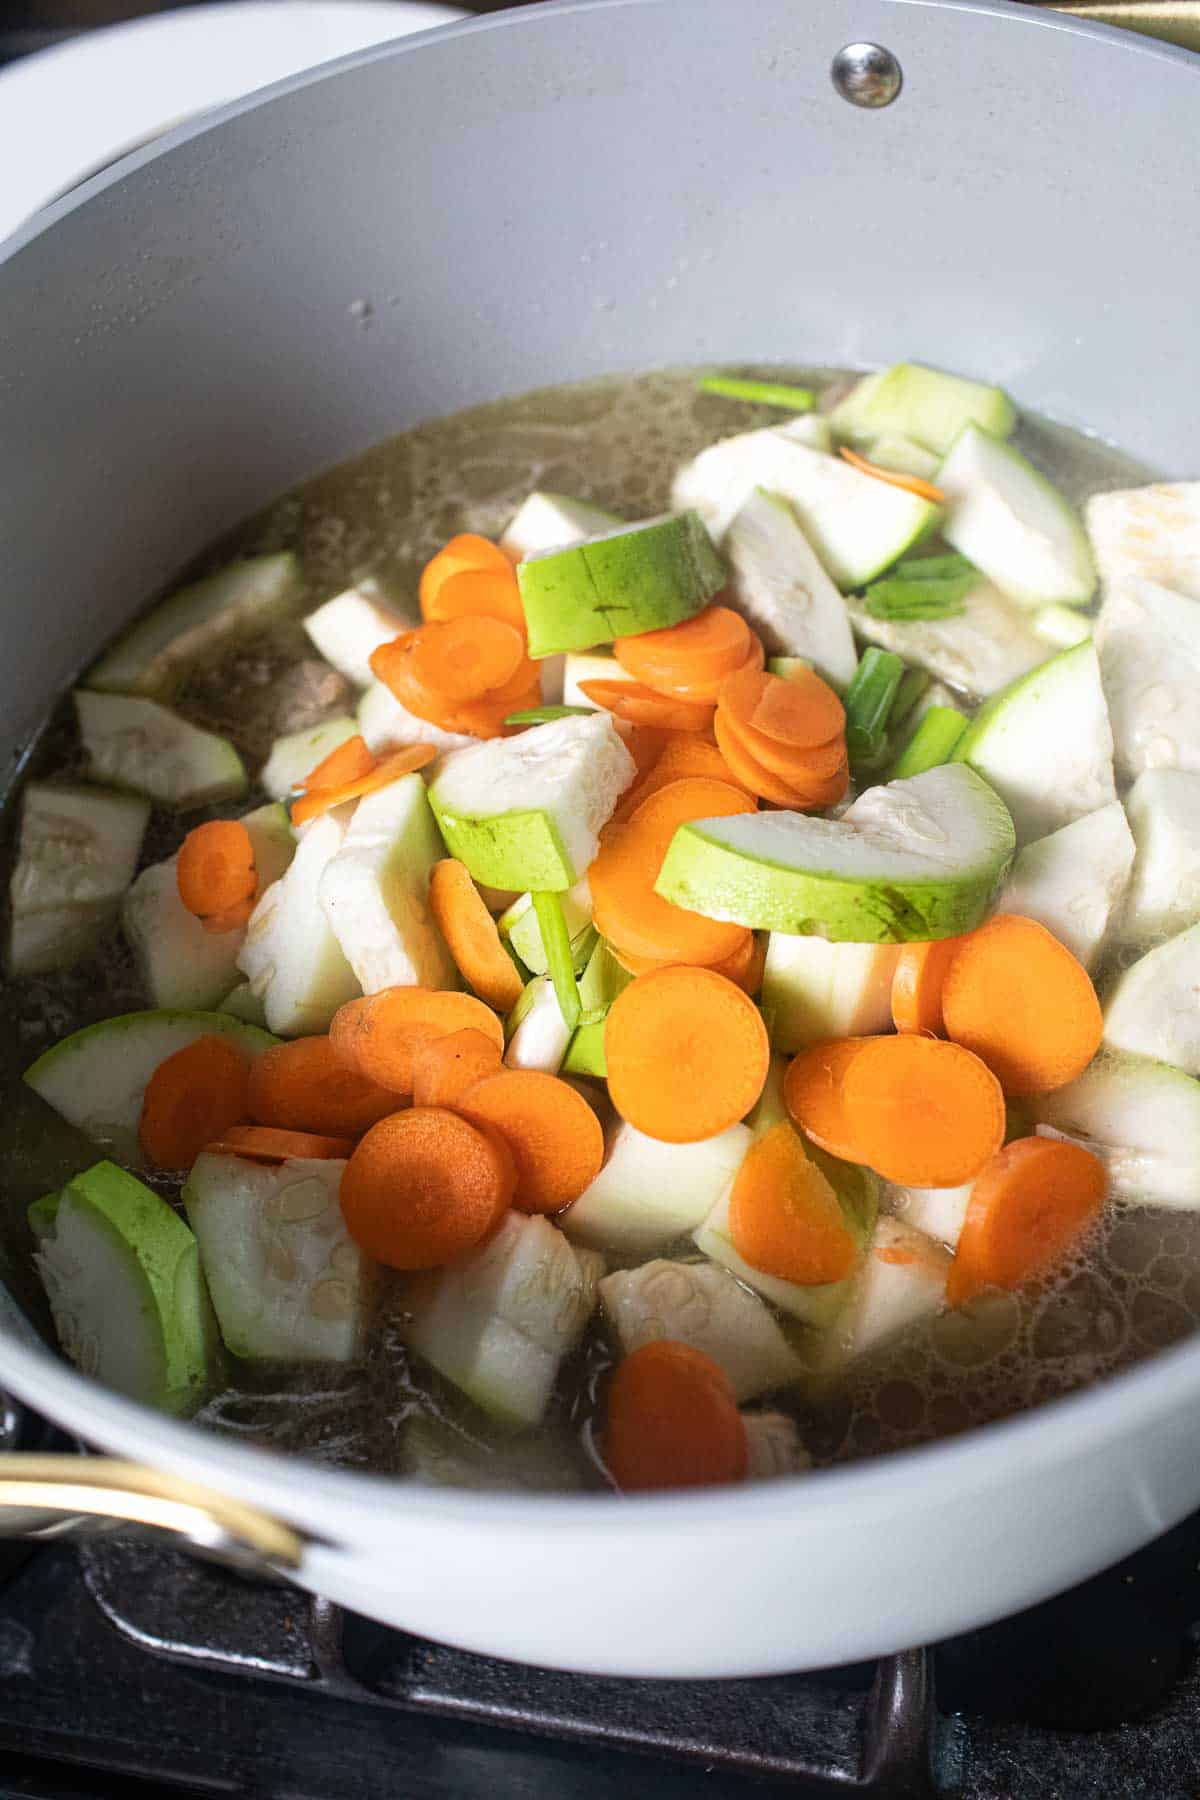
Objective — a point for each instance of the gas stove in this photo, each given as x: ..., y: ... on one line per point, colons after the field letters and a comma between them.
x: 132, y: 1670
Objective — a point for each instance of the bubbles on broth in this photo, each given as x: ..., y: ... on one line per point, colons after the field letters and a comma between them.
x: 1132, y: 1288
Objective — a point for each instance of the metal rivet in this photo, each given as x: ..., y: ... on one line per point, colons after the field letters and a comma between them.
x: 866, y: 75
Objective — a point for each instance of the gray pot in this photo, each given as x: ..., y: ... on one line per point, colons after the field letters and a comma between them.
x: 529, y: 199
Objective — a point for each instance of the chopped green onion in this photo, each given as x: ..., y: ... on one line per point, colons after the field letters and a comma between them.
x: 934, y: 568
x: 869, y: 701
x: 556, y: 942
x: 931, y: 744
x: 896, y: 597
x: 546, y: 715
x: 762, y: 393
x: 912, y: 685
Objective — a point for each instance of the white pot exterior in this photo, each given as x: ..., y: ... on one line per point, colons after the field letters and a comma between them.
x: 632, y: 182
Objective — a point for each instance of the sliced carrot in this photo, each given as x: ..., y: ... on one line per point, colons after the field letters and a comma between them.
x: 672, y: 1421
x: 682, y: 754
x: 379, y: 1035
x: 347, y: 763
x: 796, y: 765
x: 266, y: 1144
x: 464, y: 555
x: 304, y: 1086
x: 923, y: 1112
x: 715, y: 642
x: 393, y: 665
x: 554, y: 1135
x: 645, y: 743
x: 801, y: 712
x: 471, y: 935
x: 708, y: 687
x: 917, y: 985
x: 687, y: 1054
x: 800, y: 792
x: 479, y: 594
x: 445, y: 1067
x: 466, y: 658
x: 388, y: 769
x: 1022, y: 1002
x: 191, y: 1097
x: 893, y: 477
x: 1028, y: 1208
x: 423, y: 1187
x: 784, y: 1218
x: 234, y: 918
x: 814, y: 1093
x: 626, y: 908
x: 746, y: 964
x: 642, y: 706
x: 214, y: 870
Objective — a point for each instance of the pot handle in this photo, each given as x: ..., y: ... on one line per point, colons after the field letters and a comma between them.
x: 60, y: 1496
x: 1171, y: 21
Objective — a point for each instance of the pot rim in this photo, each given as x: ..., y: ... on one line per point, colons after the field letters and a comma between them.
x: 363, y: 1504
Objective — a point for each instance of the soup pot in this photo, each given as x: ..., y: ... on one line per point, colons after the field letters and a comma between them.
x: 529, y: 199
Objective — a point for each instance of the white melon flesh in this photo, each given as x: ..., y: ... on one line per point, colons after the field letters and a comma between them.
x: 816, y: 1304
x: 1074, y: 881
x: 348, y: 628
x: 813, y: 989
x: 140, y: 745
x: 892, y: 450
x: 856, y: 524
x: 1163, y: 806
x: 924, y: 404
x: 940, y: 1213
x: 293, y: 959
x: 499, y: 1322
x: 773, y: 1447
x: 550, y: 521
x: 1152, y: 1008
x: 650, y: 1194
x: 588, y: 665
x: 1045, y: 744
x: 1142, y: 1118
x: 902, y: 1281
x: 386, y: 725
x: 781, y: 588
x: 77, y: 850
x: 1005, y: 517
x: 1148, y: 639
x: 374, y: 892
x: 703, y: 1306
x: 1151, y: 531
x: 294, y: 757
x: 96, y: 1078
x: 981, y: 649
x: 538, y: 1035
x: 1061, y: 626
x: 288, y: 1283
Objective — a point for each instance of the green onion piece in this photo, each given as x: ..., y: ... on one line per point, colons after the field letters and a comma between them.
x: 546, y: 715
x: 931, y: 744
x: 896, y: 597
x: 762, y: 393
x: 869, y: 701
x: 934, y: 568
x: 557, y: 944
x: 912, y: 685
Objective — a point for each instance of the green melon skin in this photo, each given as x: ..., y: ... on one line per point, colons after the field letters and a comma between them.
x: 634, y: 579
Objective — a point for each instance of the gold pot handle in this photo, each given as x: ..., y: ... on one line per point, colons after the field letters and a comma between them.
x: 1171, y: 21
x: 57, y: 1496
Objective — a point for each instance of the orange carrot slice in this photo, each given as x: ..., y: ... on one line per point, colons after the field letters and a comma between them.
x: 479, y: 594
x: 912, y: 483
x: 191, y: 1097
x: 266, y: 1144
x: 214, y: 870
x: 304, y: 1086
x: 392, y: 663
x: 687, y: 1054
x: 388, y: 769
x: 814, y: 1093
x: 746, y: 965
x: 715, y: 642
x: 380, y: 1034
x: 234, y: 918
x: 672, y: 1421
x: 445, y: 1067
x: 466, y: 658
x: 784, y: 1217
x: 423, y: 1187
x: 466, y: 554
x: 347, y: 763
x: 555, y: 1137
x: 917, y: 985
x: 800, y: 713
x: 1022, y: 1002
x: 642, y: 706
x: 812, y: 765
x: 923, y: 1112
x: 708, y: 688
x: 626, y: 908
x: 752, y: 775
x: 471, y: 935
x: 1028, y: 1208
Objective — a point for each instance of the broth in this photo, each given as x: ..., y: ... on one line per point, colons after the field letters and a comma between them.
x: 1132, y: 1288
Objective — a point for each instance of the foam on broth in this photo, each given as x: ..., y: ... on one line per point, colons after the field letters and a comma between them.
x: 1132, y: 1288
